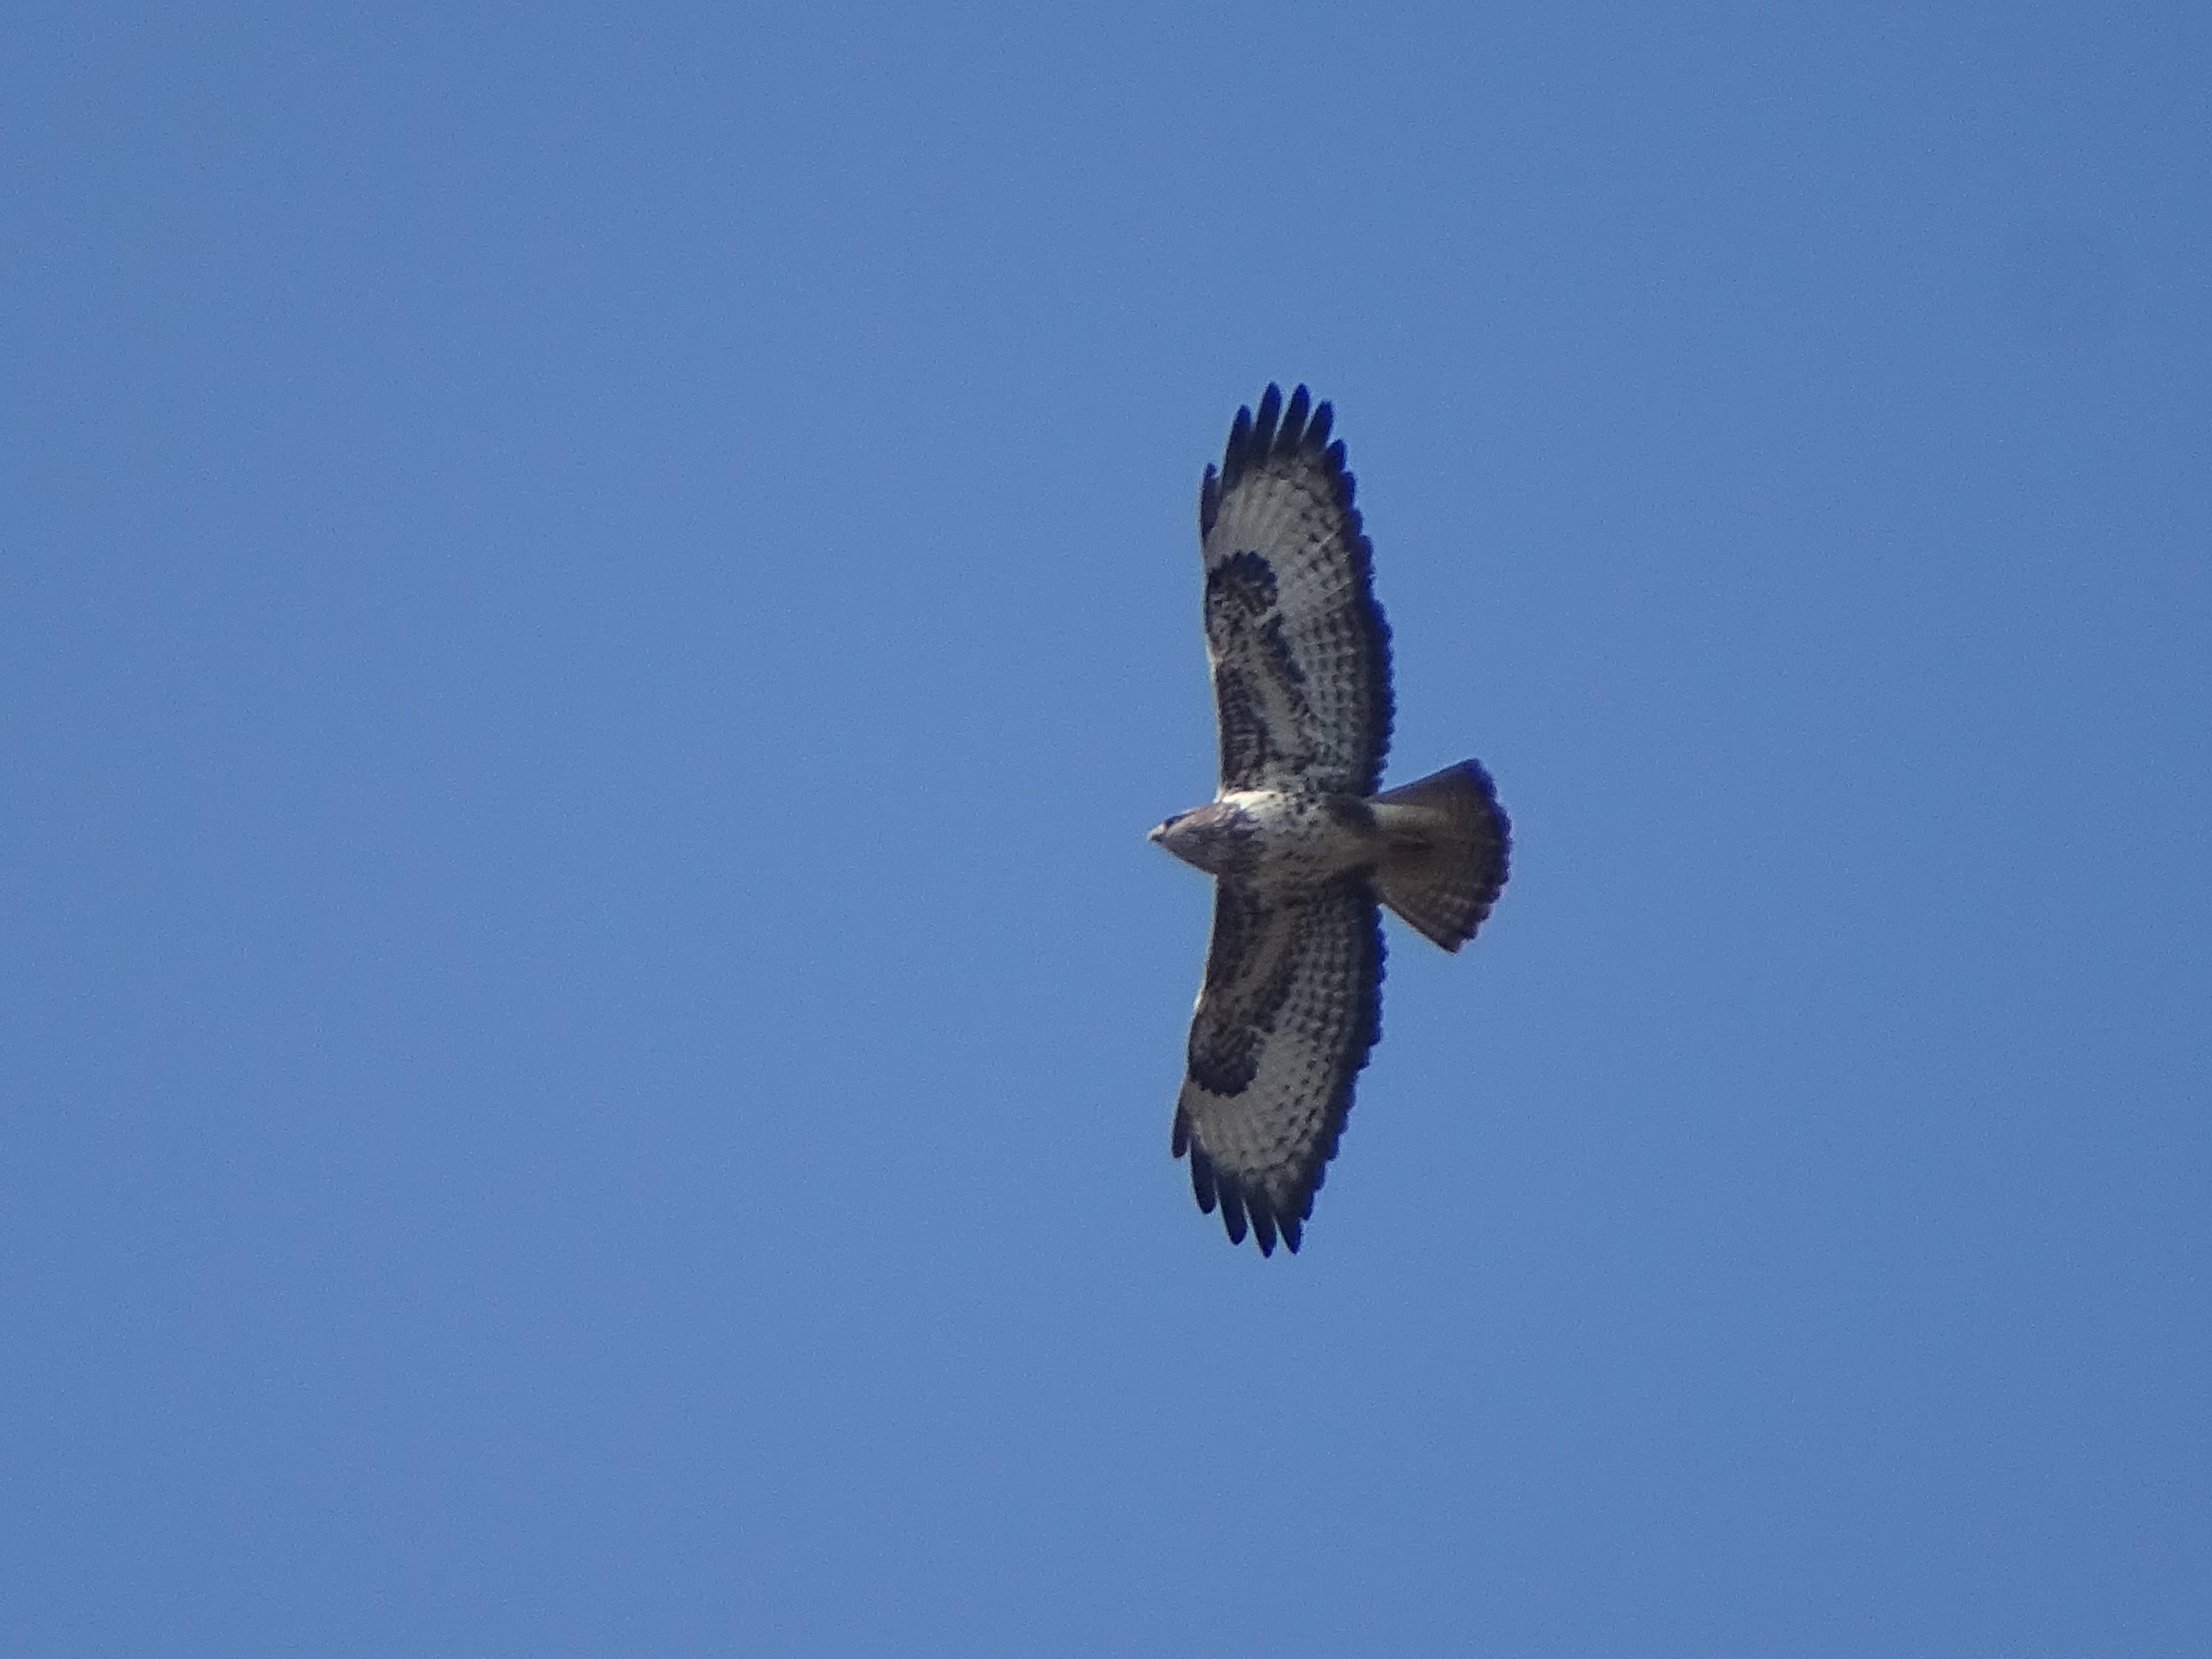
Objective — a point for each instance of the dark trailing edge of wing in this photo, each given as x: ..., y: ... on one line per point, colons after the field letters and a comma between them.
x: 1241, y: 1206
x: 1301, y: 431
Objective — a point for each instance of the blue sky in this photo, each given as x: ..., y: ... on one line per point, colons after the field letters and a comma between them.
x: 595, y: 604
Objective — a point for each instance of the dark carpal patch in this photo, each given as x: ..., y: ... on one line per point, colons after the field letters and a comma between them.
x: 1225, y: 1059
x: 1239, y: 591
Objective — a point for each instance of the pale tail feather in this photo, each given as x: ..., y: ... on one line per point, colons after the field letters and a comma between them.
x: 1445, y: 845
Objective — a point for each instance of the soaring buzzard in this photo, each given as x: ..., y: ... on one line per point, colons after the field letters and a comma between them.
x: 1299, y: 842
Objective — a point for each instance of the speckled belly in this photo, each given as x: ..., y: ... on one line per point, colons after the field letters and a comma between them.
x: 1307, y: 836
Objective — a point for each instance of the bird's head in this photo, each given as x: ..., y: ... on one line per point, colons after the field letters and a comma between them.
x: 1217, y: 838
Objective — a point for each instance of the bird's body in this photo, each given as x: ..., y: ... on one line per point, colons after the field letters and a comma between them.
x: 1301, y: 844
x: 1277, y: 836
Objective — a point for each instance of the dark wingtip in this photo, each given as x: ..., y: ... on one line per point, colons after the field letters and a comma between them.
x: 1262, y: 1214
x: 1264, y: 419
x: 1201, y: 1181
x: 1233, y: 1211
x: 1209, y: 501
x: 1276, y: 429
x: 1293, y: 1232
x: 1241, y: 1211
x: 1236, y: 454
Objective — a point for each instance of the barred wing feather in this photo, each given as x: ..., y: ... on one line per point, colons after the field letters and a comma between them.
x: 1291, y: 1004
x: 1299, y: 649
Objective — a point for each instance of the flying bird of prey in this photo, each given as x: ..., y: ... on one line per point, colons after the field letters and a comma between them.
x: 1299, y: 842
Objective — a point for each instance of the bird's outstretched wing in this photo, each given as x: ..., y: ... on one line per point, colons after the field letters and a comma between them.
x: 1291, y: 1003
x: 1300, y: 652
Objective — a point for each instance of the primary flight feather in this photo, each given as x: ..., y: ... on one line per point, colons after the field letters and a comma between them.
x: 1300, y: 844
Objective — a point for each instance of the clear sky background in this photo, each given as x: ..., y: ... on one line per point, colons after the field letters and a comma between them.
x: 595, y: 605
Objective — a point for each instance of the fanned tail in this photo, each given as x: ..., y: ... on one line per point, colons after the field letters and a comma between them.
x: 1445, y: 845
